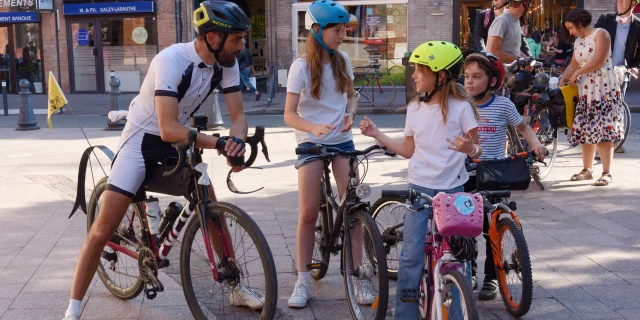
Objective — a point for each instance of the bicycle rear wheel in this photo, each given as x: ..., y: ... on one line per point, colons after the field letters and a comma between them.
x: 119, y: 272
x: 379, y: 91
x: 457, y: 298
x: 515, y: 279
x: 626, y: 124
x: 387, y: 214
x: 251, y: 267
x: 367, y: 285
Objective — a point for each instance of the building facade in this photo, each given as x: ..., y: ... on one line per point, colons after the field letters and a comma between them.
x: 385, y: 30
x: 99, y: 37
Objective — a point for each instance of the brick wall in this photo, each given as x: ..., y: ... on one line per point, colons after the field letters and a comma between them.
x: 166, y: 23
x: 279, y: 33
x: 49, y: 57
x: 427, y: 22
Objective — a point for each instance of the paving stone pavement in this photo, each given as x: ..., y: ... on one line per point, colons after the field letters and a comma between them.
x: 584, y: 241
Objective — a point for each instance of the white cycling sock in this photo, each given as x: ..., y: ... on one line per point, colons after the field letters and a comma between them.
x: 304, y: 277
x: 74, y: 307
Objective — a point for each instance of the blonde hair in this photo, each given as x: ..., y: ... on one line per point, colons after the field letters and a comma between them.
x: 338, y: 66
x: 450, y: 89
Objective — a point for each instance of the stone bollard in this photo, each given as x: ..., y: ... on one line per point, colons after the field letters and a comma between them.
x: 115, y: 103
x: 26, y: 119
x: 213, y: 114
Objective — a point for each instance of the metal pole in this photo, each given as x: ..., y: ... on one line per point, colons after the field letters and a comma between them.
x: 115, y: 102
x: 57, y: 42
x: 213, y: 114
x: 4, y: 98
x: 26, y: 118
x: 178, y: 21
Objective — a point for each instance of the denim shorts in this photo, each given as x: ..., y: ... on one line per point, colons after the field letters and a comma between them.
x: 304, y: 159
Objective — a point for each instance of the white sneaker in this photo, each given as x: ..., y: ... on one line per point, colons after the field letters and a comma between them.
x: 70, y: 317
x: 364, y: 295
x: 301, y: 294
x: 242, y: 296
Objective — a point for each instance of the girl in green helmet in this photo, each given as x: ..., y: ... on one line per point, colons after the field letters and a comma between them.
x: 440, y: 132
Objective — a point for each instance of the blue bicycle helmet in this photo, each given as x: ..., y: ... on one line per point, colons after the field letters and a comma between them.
x: 323, y: 13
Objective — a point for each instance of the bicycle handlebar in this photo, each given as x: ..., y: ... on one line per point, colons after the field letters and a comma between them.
x: 182, y: 147
x: 321, y: 150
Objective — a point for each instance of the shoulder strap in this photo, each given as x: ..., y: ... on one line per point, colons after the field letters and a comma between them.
x: 215, y: 81
x: 487, y: 17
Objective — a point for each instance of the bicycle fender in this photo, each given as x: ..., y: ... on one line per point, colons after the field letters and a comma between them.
x: 81, y: 201
x: 360, y: 206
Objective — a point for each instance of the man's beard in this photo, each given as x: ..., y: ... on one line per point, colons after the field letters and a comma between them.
x: 227, y: 60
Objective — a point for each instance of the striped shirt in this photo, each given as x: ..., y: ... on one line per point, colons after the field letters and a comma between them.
x: 492, y: 127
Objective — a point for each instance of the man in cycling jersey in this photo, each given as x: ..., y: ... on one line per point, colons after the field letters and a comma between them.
x: 179, y: 80
x: 484, y: 20
x: 505, y: 35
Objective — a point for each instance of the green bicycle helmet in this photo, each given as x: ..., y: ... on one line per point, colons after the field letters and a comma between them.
x: 438, y: 56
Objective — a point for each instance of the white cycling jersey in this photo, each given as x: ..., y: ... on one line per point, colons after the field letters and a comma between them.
x: 177, y: 71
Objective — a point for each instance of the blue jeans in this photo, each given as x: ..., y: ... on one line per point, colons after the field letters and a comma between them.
x: 244, y: 78
x: 412, y: 257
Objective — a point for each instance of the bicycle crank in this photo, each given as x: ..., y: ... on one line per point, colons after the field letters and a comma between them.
x: 148, y: 266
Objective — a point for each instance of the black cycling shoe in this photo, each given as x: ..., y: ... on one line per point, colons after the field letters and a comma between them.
x: 489, y: 290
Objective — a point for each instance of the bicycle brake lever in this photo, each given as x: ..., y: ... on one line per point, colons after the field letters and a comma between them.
x: 265, y: 151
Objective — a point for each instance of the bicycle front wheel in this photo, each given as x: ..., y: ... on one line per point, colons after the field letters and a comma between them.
x: 456, y: 297
x: 515, y: 278
x: 388, y: 213
x: 379, y: 91
x: 625, y: 113
x: 119, y: 272
x: 365, y: 268
x: 249, y: 273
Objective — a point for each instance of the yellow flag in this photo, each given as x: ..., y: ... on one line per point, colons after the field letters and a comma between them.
x: 57, y: 100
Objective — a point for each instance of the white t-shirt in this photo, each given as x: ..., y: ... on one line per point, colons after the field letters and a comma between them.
x: 492, y: 129
x: 329, y: 109
x: 433, y: 165
x: 177, y: 71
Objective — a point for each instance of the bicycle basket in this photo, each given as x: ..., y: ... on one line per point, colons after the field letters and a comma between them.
x: 458, y: 214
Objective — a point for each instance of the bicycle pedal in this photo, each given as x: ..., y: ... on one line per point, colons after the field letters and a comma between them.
x: 150, y: 293
x: 314, y: 266
x: 410, y: 295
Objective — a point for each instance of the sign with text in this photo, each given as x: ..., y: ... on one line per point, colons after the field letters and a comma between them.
x: 18, y: 5
x: 18, y: 17
x: 107, y: 8
x: 46, y: 5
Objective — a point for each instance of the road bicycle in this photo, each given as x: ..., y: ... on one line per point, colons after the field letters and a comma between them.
x: 379, y: 90
x: 222, y: 250
x: 362, y: 262
x: 445, y: 291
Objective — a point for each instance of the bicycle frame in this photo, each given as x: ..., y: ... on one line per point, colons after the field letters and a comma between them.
x: 201, y: 198
x: 342, y: 209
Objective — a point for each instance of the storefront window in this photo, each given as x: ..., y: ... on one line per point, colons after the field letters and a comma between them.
x: 27, y: 54
x: 128, y: 46
x: 468, y: 10
x: 376, y: 33
x: 5, y: 58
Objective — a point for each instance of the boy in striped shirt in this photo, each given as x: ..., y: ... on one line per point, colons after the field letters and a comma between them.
x: 483, y: 73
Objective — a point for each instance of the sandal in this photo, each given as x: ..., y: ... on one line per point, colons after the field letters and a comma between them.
x: 585, y: 174
x: 605, y: 180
